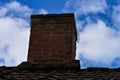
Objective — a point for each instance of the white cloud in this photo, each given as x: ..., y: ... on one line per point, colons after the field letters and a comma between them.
x: 15, y: 8
x: 85, y: 6
x: 3, y: 11
x: 79, y: 24
x: 14, y: 33
x: 15, y: 36
x: 99, y: 43
x: 116, y: 16
x: 42, y: 11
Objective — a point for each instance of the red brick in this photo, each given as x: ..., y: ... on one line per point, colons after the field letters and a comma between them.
x: 52, y: 38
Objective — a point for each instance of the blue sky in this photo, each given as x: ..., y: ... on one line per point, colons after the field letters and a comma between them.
x: 97, y: 22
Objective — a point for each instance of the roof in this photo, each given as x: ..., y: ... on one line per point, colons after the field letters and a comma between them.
x: 18, y: 73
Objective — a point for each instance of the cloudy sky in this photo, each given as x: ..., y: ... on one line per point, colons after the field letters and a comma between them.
x: 97, y: 22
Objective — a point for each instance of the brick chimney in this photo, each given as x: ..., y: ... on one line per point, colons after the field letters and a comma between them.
x: 52, y: 40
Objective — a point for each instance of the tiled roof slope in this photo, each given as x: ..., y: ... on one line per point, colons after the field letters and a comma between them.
x: 17, y: 73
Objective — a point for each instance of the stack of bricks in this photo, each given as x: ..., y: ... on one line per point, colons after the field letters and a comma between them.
x: 53, y: 39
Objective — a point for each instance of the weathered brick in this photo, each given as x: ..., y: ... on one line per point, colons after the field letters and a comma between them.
x: 52, y: 36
